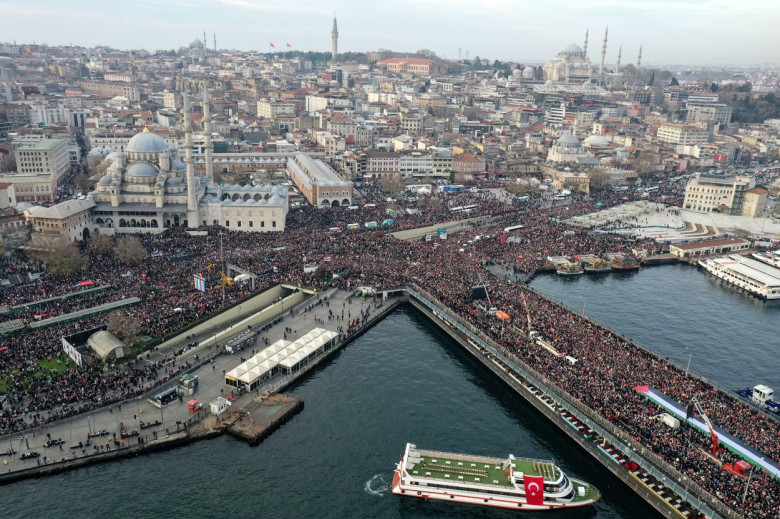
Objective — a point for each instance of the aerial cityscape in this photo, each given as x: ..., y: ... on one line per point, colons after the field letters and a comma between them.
x: 263, y: 250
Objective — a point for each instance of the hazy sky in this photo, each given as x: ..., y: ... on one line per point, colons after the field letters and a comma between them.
x: 672, y: 31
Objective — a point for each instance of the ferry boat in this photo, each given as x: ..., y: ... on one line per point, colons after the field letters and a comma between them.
x: 598, y: 265
x: 770, y: 257
x: 751, y: 275
x: 510, y: 483
x: 621, y: 262
x: 569, y: 269
x: 761, y: 397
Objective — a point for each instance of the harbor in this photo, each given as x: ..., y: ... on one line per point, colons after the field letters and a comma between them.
x: 142, y: 425
x: 490, y: 443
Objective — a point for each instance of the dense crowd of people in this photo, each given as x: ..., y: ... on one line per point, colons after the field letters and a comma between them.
x: 603, y: 378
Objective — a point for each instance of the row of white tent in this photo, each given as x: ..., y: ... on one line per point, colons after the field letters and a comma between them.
x: 280, y: 355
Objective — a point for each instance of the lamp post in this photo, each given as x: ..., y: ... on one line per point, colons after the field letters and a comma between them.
x: 222, y: 258
x: 747, y: 484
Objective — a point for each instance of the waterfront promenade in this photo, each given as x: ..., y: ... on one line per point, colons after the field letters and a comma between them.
x: 175, y: 418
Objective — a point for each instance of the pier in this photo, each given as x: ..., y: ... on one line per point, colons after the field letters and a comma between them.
x: 136, y: 426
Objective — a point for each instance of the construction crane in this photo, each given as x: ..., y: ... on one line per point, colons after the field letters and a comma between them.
x: 707, y: 421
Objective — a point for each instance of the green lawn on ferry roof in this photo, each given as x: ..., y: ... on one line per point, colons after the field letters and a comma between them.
x: 440, y: 468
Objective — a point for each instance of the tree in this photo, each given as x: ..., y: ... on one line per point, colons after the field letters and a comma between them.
x: 745, y: 87
x: 452, y: 176
x: 393, y: 184
x: 100, y: 243
x: 123, y: 325
x: 652, y: 79
x: 674, y: 82
x: 427, y: 53
x: 645, y: 163
x: 599, y: 179
x: 60, y: 256
x: 130, y: 250
x: 714, y: 87
x: 81, y: 181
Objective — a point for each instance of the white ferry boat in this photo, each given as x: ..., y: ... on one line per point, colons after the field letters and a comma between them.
x: 770, y: 257
x: 756, y: 277
x: 513, y: 483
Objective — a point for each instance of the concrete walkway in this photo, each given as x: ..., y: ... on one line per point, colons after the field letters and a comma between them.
x: 131, y: 413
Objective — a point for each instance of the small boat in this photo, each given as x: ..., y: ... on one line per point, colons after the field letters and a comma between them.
x: 771, y: 258
x: 761, y: 397
x: 510, y: 483
x: 569, y: 269
x: 622, y: 262
x: 598, y: 265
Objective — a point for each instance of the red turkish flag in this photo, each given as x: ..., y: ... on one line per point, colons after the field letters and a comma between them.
x: 534, y: 489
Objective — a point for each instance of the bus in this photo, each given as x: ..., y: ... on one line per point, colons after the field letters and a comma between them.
x: 458, y: 209
x: 513, y: 228
x: 353, y: 226
x: 469, y: 208
x: 369, y: 206
x: 334, y: 229
x: 454, y: 188
x: 370, y: 225
x: 388, y: 222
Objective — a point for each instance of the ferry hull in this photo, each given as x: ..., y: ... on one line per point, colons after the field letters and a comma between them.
x: 471, y: 498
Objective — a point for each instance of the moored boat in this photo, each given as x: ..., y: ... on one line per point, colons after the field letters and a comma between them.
x: 569, y: 269
x: 771, y: 258
x: 748, y: 274
x: 512, y: 483
x: 761, y: 397
x: 623, y: 262
x: 598, y: 265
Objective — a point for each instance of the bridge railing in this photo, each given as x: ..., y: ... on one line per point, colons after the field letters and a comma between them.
x: 653, y: 464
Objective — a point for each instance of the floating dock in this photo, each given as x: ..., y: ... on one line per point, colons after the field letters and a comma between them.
x: 263, y: 415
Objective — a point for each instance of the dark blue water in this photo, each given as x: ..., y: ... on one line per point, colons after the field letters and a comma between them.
x: 682, y: 313
x: 404, y: 381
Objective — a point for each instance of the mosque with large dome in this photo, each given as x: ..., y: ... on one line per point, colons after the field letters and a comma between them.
x: 571, y: 65
x: 149, y: 188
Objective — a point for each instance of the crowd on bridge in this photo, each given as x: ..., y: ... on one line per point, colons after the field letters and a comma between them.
x: 607, y: 368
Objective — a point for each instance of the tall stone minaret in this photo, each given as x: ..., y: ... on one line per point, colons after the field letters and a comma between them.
x: 603, y: 56
x: 215, y: 43
x: 638, y: 63
x: 585, y: 48
x: 334, y: 41
x: 205, y: 42
x: 617, y: 66
x: 192, y: 202
x: 207, y: 131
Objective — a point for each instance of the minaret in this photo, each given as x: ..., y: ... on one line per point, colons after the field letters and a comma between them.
x: 207, y: 131
x: 603, y: 55
x: 617, y: 66
x: 585, y: 48
x: 205, y: 42
x: 638, y: 62
x: 192, y: 203
x: 334, y: 41
x: 215, y: 43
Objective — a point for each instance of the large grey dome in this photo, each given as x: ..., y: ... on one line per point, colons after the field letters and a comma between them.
x: 146, y: 142
x: 141, y: 169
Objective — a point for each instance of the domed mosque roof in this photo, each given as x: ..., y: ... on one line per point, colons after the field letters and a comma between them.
x: 572, y: 48
x: 141, y: 169
x: 568, y: 139
x: 596, y: 140
x: 146, y: 142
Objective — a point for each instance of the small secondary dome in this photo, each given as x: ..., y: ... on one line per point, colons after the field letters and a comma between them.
x: 141, y: 169
x: 146, y: 142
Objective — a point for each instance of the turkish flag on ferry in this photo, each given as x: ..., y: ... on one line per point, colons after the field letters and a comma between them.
x: 534, y: 489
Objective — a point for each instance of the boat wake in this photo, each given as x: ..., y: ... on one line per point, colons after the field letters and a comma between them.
x: 377, y: 485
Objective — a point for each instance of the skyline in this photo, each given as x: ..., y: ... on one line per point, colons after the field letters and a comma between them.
x: 672, y: 32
